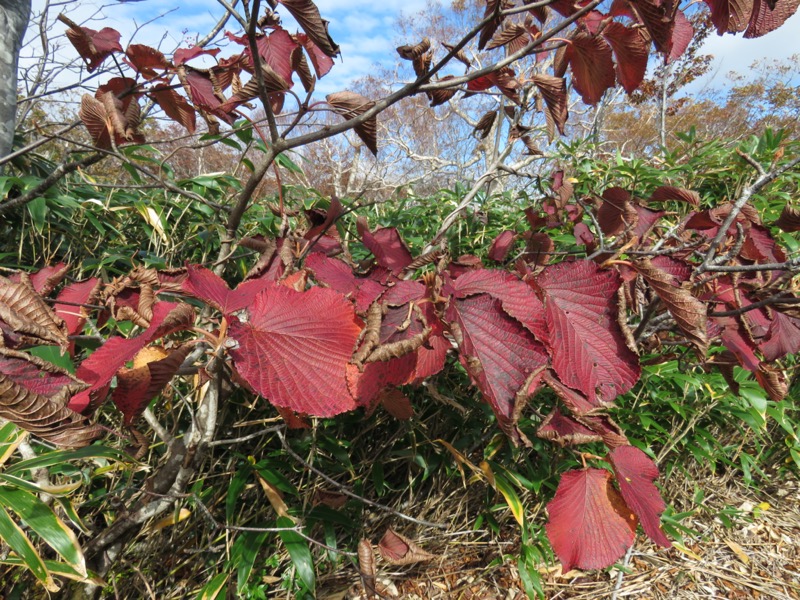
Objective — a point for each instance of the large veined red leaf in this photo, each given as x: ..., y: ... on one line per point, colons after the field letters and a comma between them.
x: 502, y: 245
x: 209, y: 287
x: 201, y: 89
x: 386, y: 245
x: 760, y: 246
x: 783, y: 337
x: 734, y: 339
x: 587, y: 347
x: 147, y: 60
x: 590, y: 526
x: 93, y: 46
x: 321, y: 62
x: 668, y: 192
x: 592, y: 66
x: 498, y: 353
x: 294, y: 349
x: 682, y: 34
x: 366, y: 386
x: 631, y: 51
x: 517, y: 297
x: 653, y: 13
x: 103, y: 364
x: 769, y: 15
x: 730, y: 15
x: 307, y: 15
x: 636, y: 473
x: 616, y: 214
x: 174, y: 105
x: 554, y: 92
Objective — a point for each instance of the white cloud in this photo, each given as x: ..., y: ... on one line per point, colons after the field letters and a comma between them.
x: 734, y: 53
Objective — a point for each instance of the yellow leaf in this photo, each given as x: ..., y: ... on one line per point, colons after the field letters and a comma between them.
x: 738, y: 551
x: 274, y: 497
x: 685, y: 550
x: 183, y: 514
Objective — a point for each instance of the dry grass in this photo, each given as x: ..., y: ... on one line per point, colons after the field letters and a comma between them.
x: 758, y: 556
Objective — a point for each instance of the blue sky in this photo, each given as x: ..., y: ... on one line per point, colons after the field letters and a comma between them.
x: 363, y: 28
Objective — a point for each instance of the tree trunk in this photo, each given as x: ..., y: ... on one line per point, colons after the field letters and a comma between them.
x: 14, y: 15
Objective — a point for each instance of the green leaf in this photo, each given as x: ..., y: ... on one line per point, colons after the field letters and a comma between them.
x: 244, y: 552
x: 56, y: 568
x: 288, y: 164
x: 16, y: 539
x: 41, y: 519
x: 299, y: 552
x: 53, y: 490
x: 37, y: 208
x: 512, y: 499
x: 54, y: 355
x: 212, y: 589
x: 60, y: 456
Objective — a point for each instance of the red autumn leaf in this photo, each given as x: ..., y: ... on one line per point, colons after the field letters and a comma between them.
x: 554, y: 92
x: 183, y: 55
x: 760, y: 247
x: 631, y: 51
x: 307, y: 15
x: 493, y: 7
x: 498, y: 353
x: 321, y: 62
x: 682, y: 34
x: 584, y: 236
x: 782, y: 338
x: 103, y: 364
x: 730, y: 15
x: 386, y: 245
x: 33, y: 394
x: 587, y: 347
x: 210, y: 288
x: 502, y: 245
x: 590, y: 527
x: 538, y: 247
x: 294, y: 349
x: 46, y: 279
x: 592, y: 66
x: 517, y: 297
x: 397, y: 549
x: 616, y: 214
x: 93, y: 46
x: 202, y: 91
x: 397, y: 404
x: 645, y: 220
x: 146, y: 60
x: 275, y: 51
x: 351, y: 105
x: 174, y: 105
x: 366, y: 386
x: 668, y: 192
x: 735, y: 340
x: 768, y: 16
x: 73, y: 295
x: 137, y: 386
x: 636, y: 473
x: 657, y: 21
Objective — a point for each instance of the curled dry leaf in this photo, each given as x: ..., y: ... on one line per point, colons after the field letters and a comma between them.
x: 789, y: 220
x: 33, y: 396
x: 689, y: 312
x: 412, y: 52
x: 554, y: 92
x: 397, y: 549
x: 366, y: 568
x: 25, y: 318
x: 350, y: 105
x: 485, y: 123
x: 307, y: 15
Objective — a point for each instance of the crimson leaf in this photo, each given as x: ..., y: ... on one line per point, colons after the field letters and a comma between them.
x: 635, y: 473
x: 294, y: 348
x: 590, y: 527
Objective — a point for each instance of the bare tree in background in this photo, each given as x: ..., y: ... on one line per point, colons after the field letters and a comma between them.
x: 14, y: 16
